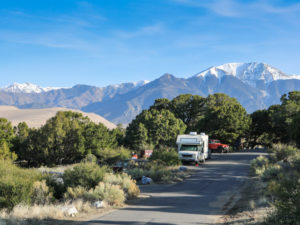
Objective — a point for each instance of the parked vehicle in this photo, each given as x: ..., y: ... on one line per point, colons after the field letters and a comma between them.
x: 146, y: 153
x: 216, y: 146
x: 193, y: 147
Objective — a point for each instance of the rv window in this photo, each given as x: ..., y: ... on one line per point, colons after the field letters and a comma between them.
x: 189, y: 148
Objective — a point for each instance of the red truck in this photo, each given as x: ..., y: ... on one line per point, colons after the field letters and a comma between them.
x: 216, y: 146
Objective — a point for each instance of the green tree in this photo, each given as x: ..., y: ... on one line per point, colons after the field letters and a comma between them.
x: 161, y: 103
x: 61, y: 138
x: 139, y: 137
x: 65, y: 138
x: 97, y: 138
x: 189, y: 108
x: 161, y: 125
x: 283, y: 118
x: 290, y: 108
x: 6, y: 131
x: 119, y: 134
x: 6, y: 140
x: 259, y: 133
x: 224, y: 118
x: 34, y: 152
x: 5, y: 153
x: 295, y: 128
x: 21, y: 138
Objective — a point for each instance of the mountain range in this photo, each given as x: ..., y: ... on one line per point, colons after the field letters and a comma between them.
x: 255, y: 85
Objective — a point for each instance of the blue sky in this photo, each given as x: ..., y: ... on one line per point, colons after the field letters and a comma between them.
x: 101, y: 42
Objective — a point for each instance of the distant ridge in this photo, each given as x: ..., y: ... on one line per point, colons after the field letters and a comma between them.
x: 38, y: 117
x: 255, y: 85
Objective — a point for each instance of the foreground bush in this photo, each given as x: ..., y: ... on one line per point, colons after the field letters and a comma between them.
x: 286, y: 194
x: 41, y: 193
x: 112, y: 194
x: 282, y: 173
x: 156, y: 171
x: 282, y: 152
x: 87, y: 175
x: 271, y: 172
x: 259, y: 165
x: 168, y: 156
x: 16, y: 185
x: 125, y: 182
x: 114, y: 189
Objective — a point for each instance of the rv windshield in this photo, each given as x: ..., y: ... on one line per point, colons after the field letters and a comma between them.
x: 189, y: 148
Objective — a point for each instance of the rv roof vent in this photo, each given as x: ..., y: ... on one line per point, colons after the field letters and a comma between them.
x: 193, y: 133
x: 202, y: 134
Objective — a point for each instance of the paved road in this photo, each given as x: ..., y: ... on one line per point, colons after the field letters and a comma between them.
x: 201, y: 199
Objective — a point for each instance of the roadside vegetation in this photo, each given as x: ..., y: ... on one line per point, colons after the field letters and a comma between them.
x: 280, y: 175
x: 86, y: 152
x: 47, y: 195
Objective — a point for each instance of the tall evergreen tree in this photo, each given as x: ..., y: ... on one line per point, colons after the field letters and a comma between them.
x: 224, y: 118
x: 161, y: 127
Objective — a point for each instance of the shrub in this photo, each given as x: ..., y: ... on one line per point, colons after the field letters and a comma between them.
x: 137, y: 173
x: 284, y: 185
x: 282, y: 152
x: 41, y: 193
x: 125, y: 182
x: 286, y: 193
x: 296, y: 163
x: 75, y: 193
x: 90, y: 158
x: 112, y: 194
x: 157, y: 173
x: 272, y: 172
x: 113, y: 189
x: 168, y: 156
x: 111, y: 156
x: 259, y: 165
x: 56, y: 185
x: 15, y: 184
x: 87, y: 175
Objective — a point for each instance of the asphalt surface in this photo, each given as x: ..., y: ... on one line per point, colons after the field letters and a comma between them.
x: 200, y: 199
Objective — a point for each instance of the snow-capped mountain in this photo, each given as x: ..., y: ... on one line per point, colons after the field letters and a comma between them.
x: 249, y: 73
x: 141, y: 83
x: 32, y: 88
x: 254, y: 85
x: 26, y: 88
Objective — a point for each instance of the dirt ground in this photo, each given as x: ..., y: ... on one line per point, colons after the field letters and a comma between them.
x: 250, y: 206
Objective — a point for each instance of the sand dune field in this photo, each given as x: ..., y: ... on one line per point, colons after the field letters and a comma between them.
x: 38, y: 117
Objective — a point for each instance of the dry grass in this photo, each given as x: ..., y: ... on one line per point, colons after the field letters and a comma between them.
x: 42, y: 212
x: 56, y: 169
x: 34, y: 212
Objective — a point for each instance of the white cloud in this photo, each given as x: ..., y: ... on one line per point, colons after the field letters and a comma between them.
x: 235, y: 8
x: 143, y: 31
x: 46, y: 39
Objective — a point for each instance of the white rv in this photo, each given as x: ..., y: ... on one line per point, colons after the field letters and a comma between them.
x: 193, y: 147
